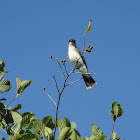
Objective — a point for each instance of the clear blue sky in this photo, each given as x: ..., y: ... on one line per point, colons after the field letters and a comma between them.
x: 31, y: 31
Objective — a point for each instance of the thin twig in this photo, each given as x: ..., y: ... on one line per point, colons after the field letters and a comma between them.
x: 50, y: 98
x: 84, y: 43
x: 59, y: 66
x: 65, y: 69
x: 112, y: 130
x: 86, y: 53
x: 15, y: 96
x: 51, y: 82
x: 56, y: 84
x: 74, y: 82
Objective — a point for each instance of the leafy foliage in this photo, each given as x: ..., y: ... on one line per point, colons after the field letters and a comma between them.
x: 114, y: 136
x: 64, y: 134
x: 67, y: 130
x: 48, y: 122
x: 63, y: 123
x: 117, y: 110
x: 4, y: 85
x: 89, y: 27
x: 97, y: 133
x: 21, y: 86
x: 2, y: 64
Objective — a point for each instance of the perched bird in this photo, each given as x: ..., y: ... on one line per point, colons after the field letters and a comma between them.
x: 77, y: 59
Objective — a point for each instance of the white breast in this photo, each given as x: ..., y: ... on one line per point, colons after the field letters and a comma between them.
x: 75, y: 59
x: 73, y: 55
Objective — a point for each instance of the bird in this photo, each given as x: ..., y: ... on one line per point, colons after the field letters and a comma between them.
x: 77, y: 59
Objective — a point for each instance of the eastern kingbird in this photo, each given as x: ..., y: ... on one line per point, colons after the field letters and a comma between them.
x: 77, y: 59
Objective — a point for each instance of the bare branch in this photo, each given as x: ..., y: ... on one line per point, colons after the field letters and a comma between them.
x: 65, y: 69
x: 112, y: 130
x: 59, y: 65
x: 51, y: 82
x: 56, y: 84
x: 15, y: 96
x: 84, y: 43
x: 86, y: 53
x: 74, y: 82
x: 50, y: 98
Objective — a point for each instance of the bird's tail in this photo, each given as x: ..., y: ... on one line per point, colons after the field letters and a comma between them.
x: 89, y: 81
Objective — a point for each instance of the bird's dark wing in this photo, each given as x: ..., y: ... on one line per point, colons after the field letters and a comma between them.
x: 78, y: 50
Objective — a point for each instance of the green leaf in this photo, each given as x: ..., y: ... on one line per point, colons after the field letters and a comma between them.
x: 26, y: 113
x: 37, y: 130
x: 2, y: 64
x: 48, y: 122
x: 16, y: 117
x: 1, y: 74
x: 9, y: 131
x: 73, y: 125
x: 45, y: 120
x: 93, y: 138
x: 114, y: 135
x: 64, y: 133
x: 86, y: 138
x: 29, y: 124
x: 48, y: 131
x: 103, y: 137
x: 3, y: 124
x: 16, y: 128
x: 5, y: 71
x: 39, y: 125
x: 75, y: 135
x: 8, y: 117
x: 29, y: 136
x: 96, y: 131
x: 89, y: 27
x: 67, y: 122
x: 4, y: 85
x: 118, y: 138
x: 18, y: 82
x: 26, y: 119
x: 50, y: 137
x: 62, y: 124
x: 117, y: 110
x: 2, y: 110
x: 21, y: 86
x: 17, y: 107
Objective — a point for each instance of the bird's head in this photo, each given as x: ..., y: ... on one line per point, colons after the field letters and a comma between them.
x: 72, y: 42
